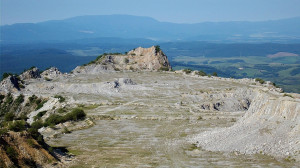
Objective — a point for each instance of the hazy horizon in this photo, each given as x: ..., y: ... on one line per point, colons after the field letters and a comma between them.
x: 176, y: 11
x: 150, y: 17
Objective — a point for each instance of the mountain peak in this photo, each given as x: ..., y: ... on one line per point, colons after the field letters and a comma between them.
x: 138, y: 59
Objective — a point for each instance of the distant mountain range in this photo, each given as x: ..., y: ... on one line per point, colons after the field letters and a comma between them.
x: 126, y: 26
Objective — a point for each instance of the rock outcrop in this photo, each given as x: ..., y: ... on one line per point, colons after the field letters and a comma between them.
x: 10, y: 84
x: 270, y: 126
x: 151, y: 59
x: 14, y: 83
x: 32, y: 73
x: 51, y: 73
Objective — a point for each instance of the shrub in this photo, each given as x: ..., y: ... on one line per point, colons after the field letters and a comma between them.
x: 40, y: 103
x: 17, y: 126
x: 164, y: 69
x: 274, y: 84
x: 214, y: 74
x: 39, y: 115
x: 9, y: 116
x: 261, y: 81
x: 3, y: 131
x: 126, y: 60
x: 37, y: 124
x: 47, y: 79
x: 61, y: 110
x: 76, y: 114
x: 31, y: 143
x: 157, y: 49
x: 288, y: 95
x: 53, y: 120
x: 201, y: 73
x: 32, y: 98
x: 20, y: 99
x: 51, y: 149
x: 22, y: 117
x: 60, y: 98
x: 34, y: 132
x: 11, y: 152
x: 187, y: 71
x: 5, y: 75
x: 9, y: 99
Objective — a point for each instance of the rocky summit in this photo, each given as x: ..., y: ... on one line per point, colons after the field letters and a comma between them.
x: 151, y: 59
x: 141, y: 114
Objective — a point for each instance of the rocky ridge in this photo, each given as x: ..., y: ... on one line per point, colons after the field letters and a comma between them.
x: 270, y: 124
x: 151, y: 59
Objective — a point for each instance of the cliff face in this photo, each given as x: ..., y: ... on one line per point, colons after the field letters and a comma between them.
x: 152, y: 59
x: 270, y: 126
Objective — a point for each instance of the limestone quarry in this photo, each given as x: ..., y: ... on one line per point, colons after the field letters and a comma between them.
x: 140, y: 114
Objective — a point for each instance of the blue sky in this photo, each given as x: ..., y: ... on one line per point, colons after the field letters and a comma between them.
x: 178, y: 11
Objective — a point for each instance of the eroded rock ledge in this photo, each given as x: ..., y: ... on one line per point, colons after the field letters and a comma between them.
x: 271, y: 126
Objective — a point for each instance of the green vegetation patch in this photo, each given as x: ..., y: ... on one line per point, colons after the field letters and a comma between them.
x: 288, y: 95
x: 187, y: 71
x: 60, y: 98
x: 20, y: 99
x: 39, y: 115
x: 75, y: 115
x: 11, y: 152
x: 9, y: 116
x: 163, y: 68
x: 201, y: 73
x: 261, y: 81
x: 157, y: 49
x: 17, y: 125
x: 5, y: 75
x: 40, y: 103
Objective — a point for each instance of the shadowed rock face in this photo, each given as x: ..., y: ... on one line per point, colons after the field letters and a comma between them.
x: 146, y: 59
x: 10, y: 84
x: 30, y: 74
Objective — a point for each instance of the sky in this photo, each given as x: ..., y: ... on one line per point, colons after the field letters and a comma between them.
x: 176, y: 11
